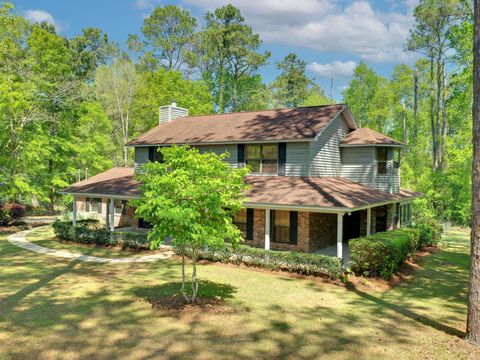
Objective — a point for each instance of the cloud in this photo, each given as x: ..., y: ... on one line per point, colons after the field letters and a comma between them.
x: 38, y: 16
x: 143, y: 4
x: 333, y: 69
x: 355, y: 29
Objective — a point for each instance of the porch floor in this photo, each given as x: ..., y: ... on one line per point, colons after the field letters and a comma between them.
x: 332, y: 251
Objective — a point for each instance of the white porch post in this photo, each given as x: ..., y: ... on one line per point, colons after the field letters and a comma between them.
x: 340, y: 235
x: 267, y: 229
x: 369, y: 221
x: 74, y: 212
x: 112, y: 215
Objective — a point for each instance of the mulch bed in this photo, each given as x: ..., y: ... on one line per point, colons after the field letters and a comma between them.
x: 178, y: 303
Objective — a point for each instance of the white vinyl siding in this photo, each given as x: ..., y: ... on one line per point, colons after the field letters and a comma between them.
x: 325, y: 159
x: 358, y: 164
x: 296, y: 163
x: 220, y: 149
x: 141, y: 157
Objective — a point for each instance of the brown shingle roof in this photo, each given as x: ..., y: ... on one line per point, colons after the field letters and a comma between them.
x: 114, y: 182
x: 366, y: 136
x: 267, y: 125
x: 326, y: 192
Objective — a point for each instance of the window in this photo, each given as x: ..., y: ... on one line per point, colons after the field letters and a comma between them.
x: 281, y: 226
x: 396, y: 158
x: 240, y: 221
x: 263, y: 159
x: 119, y: 206
x: 382, y: 158
x: 94, y: 205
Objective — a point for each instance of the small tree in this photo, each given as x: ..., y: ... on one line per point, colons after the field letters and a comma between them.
x: 191, y: 197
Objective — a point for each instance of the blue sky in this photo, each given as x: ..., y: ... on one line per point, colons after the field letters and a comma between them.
x: 332, y: 36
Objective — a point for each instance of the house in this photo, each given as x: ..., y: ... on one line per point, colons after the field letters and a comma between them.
x: 317, y: 179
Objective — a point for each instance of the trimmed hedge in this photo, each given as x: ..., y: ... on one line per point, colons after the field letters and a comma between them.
x: 382, y: 253
x: 430, y: 231
x: 295, y: 262
x: 89, y: 231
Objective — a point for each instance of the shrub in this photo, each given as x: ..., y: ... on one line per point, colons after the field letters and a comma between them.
x: 382, y: 253
x: 5, y: 216
x: 295, y: 262
x: 17, y: 211
x: 430, y: 231
x: 90, y: 231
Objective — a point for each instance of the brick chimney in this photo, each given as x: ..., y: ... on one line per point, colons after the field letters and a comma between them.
x: 170, y: 112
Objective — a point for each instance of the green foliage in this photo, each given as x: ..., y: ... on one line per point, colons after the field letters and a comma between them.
x: 291, y: 261
x: 382, y: 253
x: 191, y: 197
x: 430, y: 231
x: 89, y: 231
x: 291, y: 87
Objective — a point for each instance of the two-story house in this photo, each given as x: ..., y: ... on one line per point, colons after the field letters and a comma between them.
x: 317, y: 179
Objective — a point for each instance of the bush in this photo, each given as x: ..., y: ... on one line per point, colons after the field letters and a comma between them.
x: 382, y: 253
x: 10, y: 212
x: 295, y: 262
x: 430, y: 231
x: 90, y: 231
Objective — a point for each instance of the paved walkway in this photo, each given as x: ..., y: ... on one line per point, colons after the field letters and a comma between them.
x: 19, y: 239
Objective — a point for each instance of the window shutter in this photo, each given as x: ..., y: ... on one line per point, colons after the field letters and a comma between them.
x: 293, y: 227
x: 282, y: 157
x: 249, y: 224
x: 241, y: 155
x: 151, y: 153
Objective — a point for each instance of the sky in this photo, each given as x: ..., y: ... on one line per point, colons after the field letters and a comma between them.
x: 332, y: 36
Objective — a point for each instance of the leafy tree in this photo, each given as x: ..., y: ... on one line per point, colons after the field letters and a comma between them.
x: 316, y: 96
x: 168, y: 31
x: 116, y: 85
x: 291, y: 87
x: 90, y: 50
x: 230, y: 57
x: 161, y: 88
x: 191, y: 197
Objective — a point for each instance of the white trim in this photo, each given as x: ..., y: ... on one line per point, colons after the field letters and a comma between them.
x: 112, y: 214
x: 369, y: 221
x: 267, y: 228
x: 120, y: 197
x: 74, y: 212
x: 373, y: 145
x: 340, y: 235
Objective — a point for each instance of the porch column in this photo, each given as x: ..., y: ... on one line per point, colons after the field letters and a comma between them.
x: 112, y: 215
x: 340, y: 235
x: 267, y: 229
x: 74, y: 212
x: 369, y: 221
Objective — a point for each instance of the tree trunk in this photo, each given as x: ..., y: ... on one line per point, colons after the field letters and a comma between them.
x: 415, y: 108
x: 432, y: 117
x: 473, y: 318
x: 444, y: 130
x: 194, y: 276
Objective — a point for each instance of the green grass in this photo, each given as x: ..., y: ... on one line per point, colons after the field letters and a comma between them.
x: 53, y: 308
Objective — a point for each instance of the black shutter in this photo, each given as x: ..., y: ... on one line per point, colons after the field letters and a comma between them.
x: 249, y: 224
x: 282, y: 157
x: 241, y: 155
x: 151, y: 153
x: 293, y: 227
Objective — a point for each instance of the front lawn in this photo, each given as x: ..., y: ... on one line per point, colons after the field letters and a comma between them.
x: 54, y: 308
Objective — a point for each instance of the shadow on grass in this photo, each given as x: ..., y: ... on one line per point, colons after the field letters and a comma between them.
x: 402, y: 310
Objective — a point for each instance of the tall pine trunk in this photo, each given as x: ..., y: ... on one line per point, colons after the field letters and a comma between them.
x: 415, y: 108
x: 432, y: 116
x: 473, y: 318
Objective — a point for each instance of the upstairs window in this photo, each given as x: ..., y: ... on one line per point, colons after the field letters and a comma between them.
x: 262, y: 159
x: 382, y: 158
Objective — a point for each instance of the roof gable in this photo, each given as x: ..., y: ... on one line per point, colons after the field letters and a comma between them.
x: 299, y: 124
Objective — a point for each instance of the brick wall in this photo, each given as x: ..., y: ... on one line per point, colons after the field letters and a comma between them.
x: 322, y: 231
